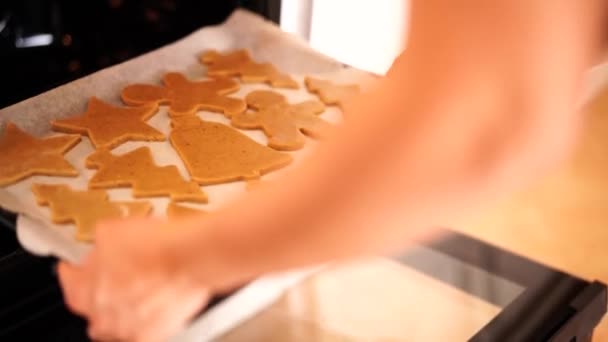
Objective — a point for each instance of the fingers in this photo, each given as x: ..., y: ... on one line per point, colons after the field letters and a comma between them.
x: 168, y: 314
x: 75, y: 287
x: 123, y: 288
x: 107, y: 231
x: 107, y: 332
x: 109, y: 226
x: 170, y: 319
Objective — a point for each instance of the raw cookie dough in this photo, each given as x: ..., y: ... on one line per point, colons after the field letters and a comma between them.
x: 179, y: 211
x: 108, y: 126
x: 84, y: 208
x: 331, y: 93
x: 215, y: 153
x: 138, y: 170
x: 239, y: 63
x: 283, y: 123
x: 185, y: 97
x: 22, y: 155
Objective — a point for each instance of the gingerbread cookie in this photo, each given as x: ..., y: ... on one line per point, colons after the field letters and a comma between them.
x: 108, y: 126
x: 179, y: 211
x: 138, y: 170
x: 215, y: 153
x: 253, y: 184
x: 84, y: 208
x: 22, y: 155
x: 239, y: 63
x: 185, y: 97
x: 331, y: 93
x: 284, y: 124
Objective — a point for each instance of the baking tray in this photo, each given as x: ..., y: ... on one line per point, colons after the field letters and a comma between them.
x: 242, y: 30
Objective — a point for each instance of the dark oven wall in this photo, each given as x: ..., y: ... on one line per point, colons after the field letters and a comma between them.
x: 46, y: 43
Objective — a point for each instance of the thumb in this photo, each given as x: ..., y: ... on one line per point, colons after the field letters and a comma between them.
x: 75, y: 287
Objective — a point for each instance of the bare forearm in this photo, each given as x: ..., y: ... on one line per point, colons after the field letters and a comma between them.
x: 429, y: 144
x: 377, y: 186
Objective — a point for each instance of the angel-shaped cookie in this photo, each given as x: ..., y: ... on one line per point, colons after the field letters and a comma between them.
x: 285, y: 124
x: 239, y: 63
x: 331, y: 93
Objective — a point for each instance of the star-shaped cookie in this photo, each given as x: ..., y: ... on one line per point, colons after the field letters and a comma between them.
x: 284, y: 124
x: 239, y: 63
x: 84, y: 208
x: 22, y: 155
x: 108, y: 126
x: 185, y: 97
x: 331, y: 93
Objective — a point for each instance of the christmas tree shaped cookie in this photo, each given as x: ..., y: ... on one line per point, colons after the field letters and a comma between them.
x: 331, y: 93
x: 283, y: 123
x: 22, y: 155
x: 239, y: 63
x: 185, y: 97
x: 84, y: 208
x: 215, y: 153
x: 108, y: 126
x: 138, y: 170
x: 179, y: 211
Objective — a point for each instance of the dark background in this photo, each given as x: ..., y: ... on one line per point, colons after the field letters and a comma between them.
x: 88, y: 35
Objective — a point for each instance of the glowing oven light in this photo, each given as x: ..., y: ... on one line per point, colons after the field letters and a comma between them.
x: 42, y: 39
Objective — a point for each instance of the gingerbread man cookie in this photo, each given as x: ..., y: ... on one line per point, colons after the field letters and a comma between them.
x: 215, y: 153
x: 22, y: 155
x: 283, y: 123
x: 108, y: 126
x: 84, y: 208
x: 185, y: 97
x: 239, y: 63
x: 138, y: 170
x: 331, y: 93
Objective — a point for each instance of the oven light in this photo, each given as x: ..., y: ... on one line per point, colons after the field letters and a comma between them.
x: 3, y: 23
x: 42, y: 39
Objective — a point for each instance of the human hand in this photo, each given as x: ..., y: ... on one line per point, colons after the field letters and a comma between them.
x: 131, y: 287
